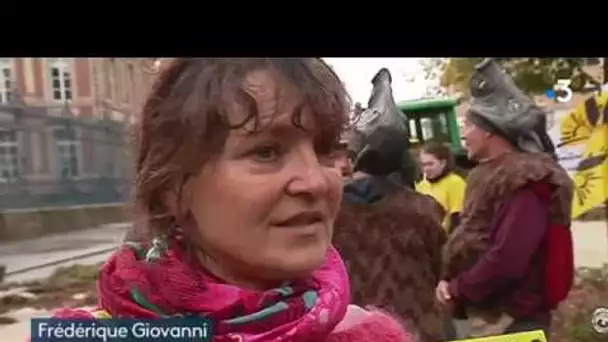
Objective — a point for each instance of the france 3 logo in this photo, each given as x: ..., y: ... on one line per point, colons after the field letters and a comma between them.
x: 599, y: 320
x: 562, y: 92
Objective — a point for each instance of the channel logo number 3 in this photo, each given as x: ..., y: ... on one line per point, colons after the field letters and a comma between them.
x: 561, y: 91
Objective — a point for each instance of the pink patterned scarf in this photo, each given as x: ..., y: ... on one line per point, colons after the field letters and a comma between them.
x: 137, y: 284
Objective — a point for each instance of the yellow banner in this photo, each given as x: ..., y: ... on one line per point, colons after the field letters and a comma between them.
x: 528, y: 336
x: 591, y: 175
x: 586, y: 127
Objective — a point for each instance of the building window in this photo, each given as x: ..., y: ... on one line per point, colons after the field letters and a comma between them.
x: 130, y: 84
x: 119, y: 77
x: 132, y: 92
x: 61, y: 80
x: 9, y: 162
x: 67, y: 151
x: 111, y: 72
x: 123, y: 77
x: 6, y: 80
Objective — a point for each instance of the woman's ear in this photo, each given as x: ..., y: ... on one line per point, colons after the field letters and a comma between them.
x: 170, y: 199
x: 177, y: 200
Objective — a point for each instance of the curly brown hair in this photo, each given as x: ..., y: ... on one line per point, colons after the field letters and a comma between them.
x: 184, y: 122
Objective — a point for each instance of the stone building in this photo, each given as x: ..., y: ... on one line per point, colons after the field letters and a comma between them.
x: 93, y: 87
x: 64, y: 128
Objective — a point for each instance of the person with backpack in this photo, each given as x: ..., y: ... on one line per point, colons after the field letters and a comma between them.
x: 510, y: 262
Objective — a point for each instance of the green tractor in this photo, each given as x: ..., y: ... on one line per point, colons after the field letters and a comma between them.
x: 435, y: 119
x: 426, y: 119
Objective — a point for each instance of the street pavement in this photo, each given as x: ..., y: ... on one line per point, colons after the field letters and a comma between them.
x: 590, y: 242
x: 24, y: 258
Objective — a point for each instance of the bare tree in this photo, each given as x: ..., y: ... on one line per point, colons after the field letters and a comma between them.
x: 432, y: 70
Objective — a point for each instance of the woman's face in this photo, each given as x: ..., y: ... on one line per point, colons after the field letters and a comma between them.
x: 431, y: 166
x: 342, y: 162
x: 265, y: 207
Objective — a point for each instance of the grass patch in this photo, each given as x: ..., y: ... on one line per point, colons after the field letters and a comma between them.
x: 572, y: 320
x: 55, y: 291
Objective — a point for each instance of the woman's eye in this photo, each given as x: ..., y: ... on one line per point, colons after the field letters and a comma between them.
x: 266, y: 154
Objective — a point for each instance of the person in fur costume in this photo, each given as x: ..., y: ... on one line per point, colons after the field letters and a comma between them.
x: 509, y: 263
x: 389, y: 235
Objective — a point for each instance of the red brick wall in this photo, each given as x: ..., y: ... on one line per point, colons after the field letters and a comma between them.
x: 83, y: 77
x: 130, y: 86
x: 38, y: 78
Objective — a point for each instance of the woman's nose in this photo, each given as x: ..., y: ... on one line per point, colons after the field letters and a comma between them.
x: 309, y: 176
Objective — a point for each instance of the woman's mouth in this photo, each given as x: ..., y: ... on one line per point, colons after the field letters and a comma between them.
x: 304, y: 218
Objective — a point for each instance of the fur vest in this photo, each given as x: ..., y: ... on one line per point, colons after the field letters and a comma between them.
x: 487, y: 186
x: 392, y: 248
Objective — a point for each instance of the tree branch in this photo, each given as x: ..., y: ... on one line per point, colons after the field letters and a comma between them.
x: 588, y: 77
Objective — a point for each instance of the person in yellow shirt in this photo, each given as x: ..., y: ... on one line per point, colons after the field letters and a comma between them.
x: 441, y: 181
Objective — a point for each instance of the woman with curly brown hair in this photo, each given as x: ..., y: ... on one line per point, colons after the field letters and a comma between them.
x: 238, y: 190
